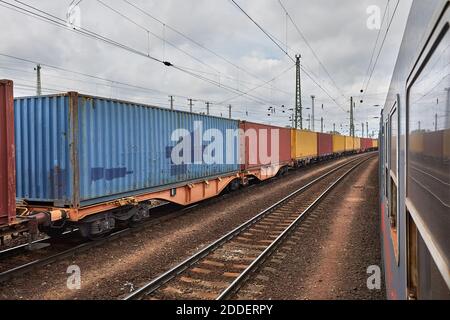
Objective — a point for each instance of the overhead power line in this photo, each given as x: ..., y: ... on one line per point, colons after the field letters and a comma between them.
x: 58, y: 22
x: 260, y: 86
x: 310, y: 47
x: 124, y: 16
x: 287, y: 53
x: 382, y: 46
x: 262, y: 29
x: 198, y: 44
x: 375, y: 45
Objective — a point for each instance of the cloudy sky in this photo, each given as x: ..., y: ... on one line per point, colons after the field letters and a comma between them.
x: 220, y: 55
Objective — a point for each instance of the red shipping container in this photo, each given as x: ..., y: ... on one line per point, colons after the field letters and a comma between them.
x: 7, y: 155
x: 324, y: 144
x: 366, y: 144
x: 257, y: 147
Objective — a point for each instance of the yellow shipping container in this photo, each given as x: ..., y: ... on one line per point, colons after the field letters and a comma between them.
x: 375, y: 143
x: 349, y: 144
x: 338, y: 143
x: 304, y: 144
x: 357, y: 144
x: 416, y: 143
x: 447, y: 144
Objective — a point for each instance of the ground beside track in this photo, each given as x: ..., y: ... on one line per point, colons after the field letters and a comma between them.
x: 328, y: 256
x: 109, y: 271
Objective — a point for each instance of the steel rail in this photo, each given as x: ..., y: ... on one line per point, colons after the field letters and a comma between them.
x: 161, y: 280
x: 27, y: 267
x: 272, y: 247
x: 7, y: 252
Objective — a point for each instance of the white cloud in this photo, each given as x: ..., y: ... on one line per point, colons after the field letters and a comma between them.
x: 335, y: 29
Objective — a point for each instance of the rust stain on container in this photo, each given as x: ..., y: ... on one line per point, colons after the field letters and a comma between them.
x: 7, y: 154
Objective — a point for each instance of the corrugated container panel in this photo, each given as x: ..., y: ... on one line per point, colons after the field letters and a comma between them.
x: 127, y: 147
x: 257, y: 136
x: 366, y: 144
x: 349, y: 144
x: 304, y: 144
x: 375, y: 143
x: 324, y: 144
x: 338, y: 143
x: 357, y: 144
x: 122, y: 149
x: 42, y: 134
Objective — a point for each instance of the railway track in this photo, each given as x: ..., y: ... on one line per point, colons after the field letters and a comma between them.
x: 20, y: 260
x: 219, y: 270
x: 65, y: 247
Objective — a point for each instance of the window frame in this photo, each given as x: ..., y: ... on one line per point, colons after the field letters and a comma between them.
x: 394, y: 178
x: 439, y: 31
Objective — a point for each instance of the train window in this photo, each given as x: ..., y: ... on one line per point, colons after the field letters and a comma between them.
x: 425, y: 282
x: 386, y: 157
x: 428, y: 152
x: 391, y: 176
x: 393, y: 142
x: 413, y: 276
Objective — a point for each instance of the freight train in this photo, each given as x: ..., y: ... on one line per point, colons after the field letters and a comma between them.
x: 91, y: 162
x: 415, y: 159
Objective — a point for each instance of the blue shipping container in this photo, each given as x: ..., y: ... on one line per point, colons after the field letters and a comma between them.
x: 75, y: 151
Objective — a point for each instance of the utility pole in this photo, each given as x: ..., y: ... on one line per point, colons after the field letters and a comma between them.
x: 313, y: 115
x: 436, y: 122
x: 334, y: 127
x: 309, y: 121
x: 191, y: 105
x: 207, y: 108
x: 362, y: 131
x: 298, y: 117
x: 229, y: 111
x: 352, y: 125
x: 367, y: 128
x: 321, y: 125
x: 38, y: 80
x: 171, y: 102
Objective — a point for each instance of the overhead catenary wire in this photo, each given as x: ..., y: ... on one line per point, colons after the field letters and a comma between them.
x: 263, y: 30
x: 382, y: 46
x: 196, y: 43
x: 107, y: 40
x: 287, y: 53
x: 375, y: 45
x: 145, y: 89
x: 156, y: 36
x: 85, y: 32
x: 260, y: 86
x: 288, y: 15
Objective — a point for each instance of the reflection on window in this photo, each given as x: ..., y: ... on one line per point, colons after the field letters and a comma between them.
x: 428, y: 180
x: 393, y: 142
x: 424, y: 279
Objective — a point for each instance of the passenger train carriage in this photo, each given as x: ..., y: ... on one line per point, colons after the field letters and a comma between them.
x: 415, y: 159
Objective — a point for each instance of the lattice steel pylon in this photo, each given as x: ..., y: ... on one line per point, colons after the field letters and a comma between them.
x: 298, y: 119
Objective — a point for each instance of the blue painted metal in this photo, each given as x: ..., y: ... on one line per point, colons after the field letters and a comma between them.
x: 101, y: 149
x: 42, y: 149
